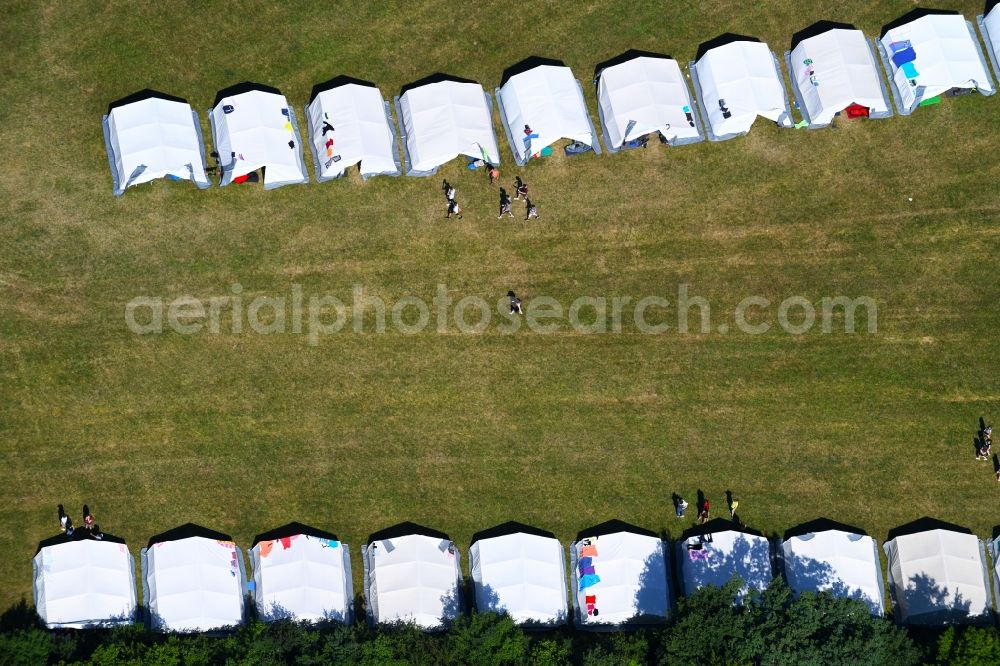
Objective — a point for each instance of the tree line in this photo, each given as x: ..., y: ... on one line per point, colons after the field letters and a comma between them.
x: 707, y: 628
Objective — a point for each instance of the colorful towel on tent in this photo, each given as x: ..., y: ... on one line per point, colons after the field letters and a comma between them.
x: 899, y: 58
x: 585, y: 562
x: 589, y: 581
x: 588, y: 551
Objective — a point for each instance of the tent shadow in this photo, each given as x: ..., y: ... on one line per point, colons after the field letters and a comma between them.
x: 527, y: 64
x: 721, y: 40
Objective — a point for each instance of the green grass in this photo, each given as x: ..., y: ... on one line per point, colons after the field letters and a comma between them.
x: 242, y: 433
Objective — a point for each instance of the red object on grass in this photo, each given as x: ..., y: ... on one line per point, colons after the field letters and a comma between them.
x: 241, y: 179
x: 856, y: 111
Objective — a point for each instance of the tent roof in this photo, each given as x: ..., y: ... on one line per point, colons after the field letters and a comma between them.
x: 818, y: 28
x: 520, y: 573
x: 844, y: 563
x: 821, y: 525
x: 293, y: 529
x: 913, y: 15
x: 406, y: 528
x: 186, y: 531
x: 990, y: 4
x: 79, y: 534
x: 622, y: 58
x: 613, y: 527
x: 721, y: 40
x: 336, y: 82
x: 510, y: 527
x: 526, y: 65
x: 244, y: 87
x: 439, y: 77
x: 925, y: 524
x: 141, y: 96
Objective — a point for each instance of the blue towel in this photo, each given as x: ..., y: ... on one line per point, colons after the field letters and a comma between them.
x: 589, y: 581
x: 585, y: 562
x: 909, y: 71
x: 904, y: 56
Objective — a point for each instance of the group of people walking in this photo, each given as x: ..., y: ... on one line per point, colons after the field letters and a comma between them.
x: 705, y: 507
x: 506, y: 203
x: 90, y: 526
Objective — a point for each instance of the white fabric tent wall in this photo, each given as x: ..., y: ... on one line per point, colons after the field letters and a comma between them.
x: 729, y: 553
x: 193, y: 584
x: 644, y: 95
x: 948, y: 56
x: 522, y: 575
x: 995, y: 556
x: 631, y: 587
x: 84, y: 583
x: 302, y: 577
x: 260, y: 131
x: 989, y: 25
x: 154, y: 138
x: 845, y: 72
x: 746, y: 75
x: 415, y: 579
x: 441, y: 120
x: 845, y: 564
x: 549, y: 100
x: 362, y: 133
x: 938, y: 577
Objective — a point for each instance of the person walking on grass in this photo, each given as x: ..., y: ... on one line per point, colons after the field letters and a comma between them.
x: 515, y: 302
x: 504, y: 204
x: 520, y: 189
x: 680, y: 505
x: 703, y: 512
x: 449, y: 191
x: 532, y: 211
x: 453, y: 209
x: 494, y: 175
x: 63, y: 519
x: 732, y: 508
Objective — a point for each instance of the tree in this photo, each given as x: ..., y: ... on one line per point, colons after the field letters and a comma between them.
x: 708, y: 627
x: 487, y: 639
x: 969, y: 646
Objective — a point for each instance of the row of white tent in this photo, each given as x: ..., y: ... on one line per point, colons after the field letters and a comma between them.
x: 621, y: 576
x: 833, y: 68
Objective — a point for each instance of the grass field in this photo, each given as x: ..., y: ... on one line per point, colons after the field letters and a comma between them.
x: 242, y: 433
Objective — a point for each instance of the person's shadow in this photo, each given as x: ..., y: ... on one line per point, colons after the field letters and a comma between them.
x: 676, y: 499
x: 996, y: 466
x: 982, y: 424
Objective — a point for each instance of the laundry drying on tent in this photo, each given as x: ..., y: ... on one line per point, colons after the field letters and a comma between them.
x: 541, y: 102
x: 254, y: 127
x: 736, y: 79
x: 834, y: 70
x: 193, y: 580
x: 931, y: 52
x: 301, y: 573
x: 412, y: 575
x: 150, y: 135
x: 82, y: 582
x: 989, y: 25
x: 719, y: 550
x: 937, y: 574
x: 350, y: 124
x: 443, y: 117
x: 619, y: 577
x: 826, y: 556
x: 520, y: 571
x: 642, y: 93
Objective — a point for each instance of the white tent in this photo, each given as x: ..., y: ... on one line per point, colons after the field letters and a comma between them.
x: 84, y: 582
x: 541, y: 104
x: 619, y: 577
x: 642, y: 94
x: 843, y: 563
x: 834, y: 68
x: 442, y: 118
x: 193, y: 580
x: 254, y: 127
x: 989, y: 25
x: 522, y: 574
x: 736, y: 79
x: 350, y: 123
x: 937, y: 576
x: 930, y: 52
x: 150, y: 135
x: 714, y: 553
x: 412, y: 575
x: 303, y: 574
